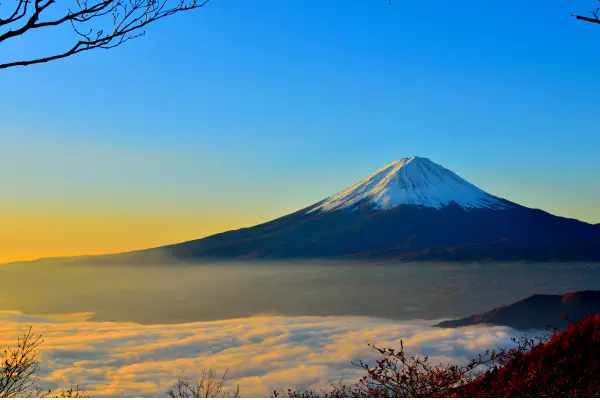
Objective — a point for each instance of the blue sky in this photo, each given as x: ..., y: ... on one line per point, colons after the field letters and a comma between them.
x: 249, y: 110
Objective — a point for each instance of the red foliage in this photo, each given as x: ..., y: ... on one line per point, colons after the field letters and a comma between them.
x: 565, y: 364
x: 568, y: 365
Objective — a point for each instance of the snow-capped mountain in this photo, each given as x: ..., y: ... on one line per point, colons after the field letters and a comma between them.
x: 412, y: 209
x: 412, y: 181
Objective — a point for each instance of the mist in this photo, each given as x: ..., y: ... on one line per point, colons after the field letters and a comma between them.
x: 171, y: 293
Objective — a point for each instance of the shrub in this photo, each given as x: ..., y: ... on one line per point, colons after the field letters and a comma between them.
x: 208, y: 385
x: 559, y: 364
x: 19, y: 371
x: 567, y: 365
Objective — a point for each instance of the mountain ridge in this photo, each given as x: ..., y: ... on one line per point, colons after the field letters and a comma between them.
x: 428, y: 213
x: 535, y: 312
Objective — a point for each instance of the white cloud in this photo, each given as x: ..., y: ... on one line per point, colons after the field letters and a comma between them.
x: 113, y: 359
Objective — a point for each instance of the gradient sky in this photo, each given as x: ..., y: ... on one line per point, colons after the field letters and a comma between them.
x: 243, y: 111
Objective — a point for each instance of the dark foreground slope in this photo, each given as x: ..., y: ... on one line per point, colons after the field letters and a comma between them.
x: 566, y: 366
x: 536, y: 312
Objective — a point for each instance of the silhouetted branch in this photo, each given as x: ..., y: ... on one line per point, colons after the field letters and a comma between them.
x: 595, y: 20
x: 100, y: 24
x: 19, y: 367
x: 595, y: 13
x: 18, y: 372
x: 208, y: 385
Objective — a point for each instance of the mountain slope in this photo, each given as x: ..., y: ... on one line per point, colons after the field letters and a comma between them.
x: 405, y: 232
x: 566, y: 365
x: 536, y: 312
x: 412, y: 209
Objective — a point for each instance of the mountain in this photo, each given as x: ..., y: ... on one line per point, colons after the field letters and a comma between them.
x: 536, y: 312
x: 412, y: 209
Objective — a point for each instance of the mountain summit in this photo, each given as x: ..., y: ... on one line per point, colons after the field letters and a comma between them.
x: 412, y: 209
x: 412, y: 181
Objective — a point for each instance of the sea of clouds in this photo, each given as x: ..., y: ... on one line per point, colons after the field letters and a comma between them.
x: 262, y: 353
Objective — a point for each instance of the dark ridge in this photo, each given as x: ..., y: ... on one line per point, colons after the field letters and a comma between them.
x: 536, y: 312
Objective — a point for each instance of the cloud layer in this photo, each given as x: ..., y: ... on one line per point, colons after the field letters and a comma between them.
x: 112, y: 359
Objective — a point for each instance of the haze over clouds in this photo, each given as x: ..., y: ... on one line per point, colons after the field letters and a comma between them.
x: 172, y: 294
x: 262, y: 353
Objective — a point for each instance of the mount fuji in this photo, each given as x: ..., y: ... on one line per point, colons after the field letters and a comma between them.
x: 412, y: 209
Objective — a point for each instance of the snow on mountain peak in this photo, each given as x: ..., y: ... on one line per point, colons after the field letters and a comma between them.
x: 412, y: 181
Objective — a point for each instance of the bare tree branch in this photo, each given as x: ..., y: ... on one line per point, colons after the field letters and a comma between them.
x: 98, y: 24
x: 19, y: 367
x: 208, y: 385
x: 595, y: 20
x: 595, y: 13
x: 18, y: 372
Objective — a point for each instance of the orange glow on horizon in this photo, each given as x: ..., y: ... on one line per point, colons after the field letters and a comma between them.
x: 39, y: 234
